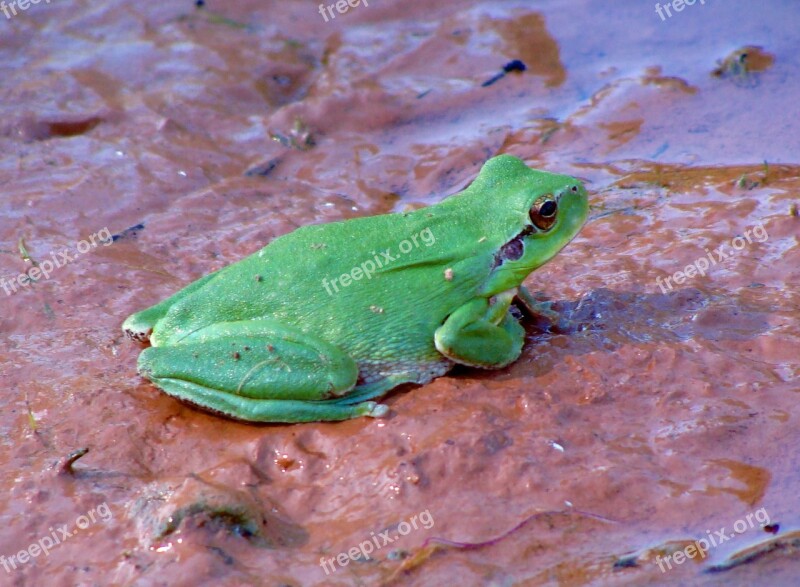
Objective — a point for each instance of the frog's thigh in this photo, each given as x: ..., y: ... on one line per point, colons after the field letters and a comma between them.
x: 471, y: 336
x: 255, y: 359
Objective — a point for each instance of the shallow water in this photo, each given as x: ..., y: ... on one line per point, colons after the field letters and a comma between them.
x: 653, y: 415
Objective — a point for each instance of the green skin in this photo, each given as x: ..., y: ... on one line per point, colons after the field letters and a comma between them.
x: 320, y: 321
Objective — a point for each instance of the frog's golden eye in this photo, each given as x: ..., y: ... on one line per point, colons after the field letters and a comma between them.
x: 543, y: 212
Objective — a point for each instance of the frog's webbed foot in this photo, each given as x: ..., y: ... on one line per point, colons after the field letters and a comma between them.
x: 482, y: 334
x: 258, y: 370
x: 540, y: 312
x: 375, y: 389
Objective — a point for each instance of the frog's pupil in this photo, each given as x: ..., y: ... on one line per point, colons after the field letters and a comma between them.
x: 548, y: 209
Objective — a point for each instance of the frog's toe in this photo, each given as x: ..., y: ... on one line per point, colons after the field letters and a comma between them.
x: 376, y: 410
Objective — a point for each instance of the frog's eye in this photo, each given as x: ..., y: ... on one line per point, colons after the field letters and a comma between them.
x: 543, y: 212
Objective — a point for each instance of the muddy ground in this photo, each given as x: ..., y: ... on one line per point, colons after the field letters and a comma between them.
x: 660, y: 419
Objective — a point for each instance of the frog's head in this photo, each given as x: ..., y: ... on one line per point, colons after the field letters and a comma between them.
x: 535, y: 213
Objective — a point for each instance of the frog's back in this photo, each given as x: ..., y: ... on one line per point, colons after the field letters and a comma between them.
x: 379, y: 303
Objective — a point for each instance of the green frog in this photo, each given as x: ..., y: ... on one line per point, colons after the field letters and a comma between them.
x: 324, y: 320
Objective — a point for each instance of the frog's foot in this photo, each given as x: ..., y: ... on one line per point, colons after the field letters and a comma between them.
x: 258, y: 370
x: 480, y: 334
x: 537, y: 309
x: 368, y: 391
x: 542, y: 316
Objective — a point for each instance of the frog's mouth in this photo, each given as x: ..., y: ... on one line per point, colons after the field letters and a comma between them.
x: 513, y: 249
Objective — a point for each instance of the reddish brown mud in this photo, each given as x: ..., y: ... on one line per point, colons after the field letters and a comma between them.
x: 654, y: 416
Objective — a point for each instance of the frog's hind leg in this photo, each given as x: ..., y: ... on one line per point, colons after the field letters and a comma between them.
x: 257, y: 370
x: 139, y: 325
x: 286, y: 411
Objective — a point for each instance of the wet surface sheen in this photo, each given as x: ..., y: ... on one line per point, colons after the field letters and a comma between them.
x: 651, y: 415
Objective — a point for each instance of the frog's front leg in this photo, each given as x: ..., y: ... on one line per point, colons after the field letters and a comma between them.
x: 482, y: 333
x: 542, y: 315
x: 257, y: 370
